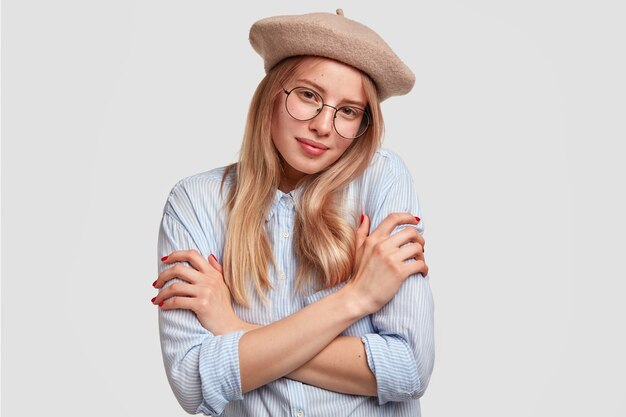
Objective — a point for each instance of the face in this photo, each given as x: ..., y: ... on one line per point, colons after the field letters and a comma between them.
x: 308, y: 147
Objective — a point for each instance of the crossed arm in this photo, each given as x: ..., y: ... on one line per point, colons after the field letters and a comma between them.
x: 316, y: 356
x: 393, y: 362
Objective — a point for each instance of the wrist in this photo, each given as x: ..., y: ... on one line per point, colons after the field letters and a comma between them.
x: 357, y: 304
x: 246, y: 327
x: 231, y: 326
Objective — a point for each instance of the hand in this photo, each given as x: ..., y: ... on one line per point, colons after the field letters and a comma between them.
x: 380, y: 267
x: 363, y: 231
x: 204, y: 292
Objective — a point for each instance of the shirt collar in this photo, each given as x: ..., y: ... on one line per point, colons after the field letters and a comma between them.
x: 292, y: 195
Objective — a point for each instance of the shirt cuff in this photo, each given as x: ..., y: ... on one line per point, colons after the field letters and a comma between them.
x: 393, y: 364
x: 219, y: 372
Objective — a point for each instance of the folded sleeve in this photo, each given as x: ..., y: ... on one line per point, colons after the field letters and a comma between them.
x: 202, y: 368
x: 400, y: 352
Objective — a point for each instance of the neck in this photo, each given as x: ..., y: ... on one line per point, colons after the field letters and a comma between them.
x: 289, y: 179
x: 286, y: 186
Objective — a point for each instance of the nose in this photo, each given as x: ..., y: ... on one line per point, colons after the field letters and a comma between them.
x: 322, y: 124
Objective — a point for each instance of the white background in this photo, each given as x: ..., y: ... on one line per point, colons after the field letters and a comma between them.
x: 514, y: 135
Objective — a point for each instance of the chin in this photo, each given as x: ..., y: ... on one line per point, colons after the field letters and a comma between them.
x: 309, y: 167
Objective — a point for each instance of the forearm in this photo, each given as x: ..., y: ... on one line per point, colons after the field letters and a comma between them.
x: 273, y: 351
x: 340, y: 367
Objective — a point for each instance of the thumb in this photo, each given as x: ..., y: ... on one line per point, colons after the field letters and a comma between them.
x: 363, y: 230
x: 215, y: 264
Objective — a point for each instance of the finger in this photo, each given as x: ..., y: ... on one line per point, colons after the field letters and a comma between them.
x: 185, y: 303
x: 181, y: 271
x: 177, y: 289
x: 411, y: 268
x: 418, y: 236
x: 192, y: 256
x: 422, y: 268
x: 390, y: 222
x: 215, y: 264
x: 420, y: 239
x: 404, y: 236
x: 412, y: 251
x: 362, y: 231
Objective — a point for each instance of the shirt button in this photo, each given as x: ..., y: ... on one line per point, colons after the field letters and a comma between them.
x: 285, y: 234
x: 281, y: 276
x: 300, y: 413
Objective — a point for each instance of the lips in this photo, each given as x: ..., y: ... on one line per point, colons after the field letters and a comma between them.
x: 312, y: 143
x: 311, y: 148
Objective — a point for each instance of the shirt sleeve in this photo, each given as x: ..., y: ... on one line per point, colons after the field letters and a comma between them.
x: 202, y: 369
x: 401, y: 351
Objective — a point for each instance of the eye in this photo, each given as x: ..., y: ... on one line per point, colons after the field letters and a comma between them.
x: 308, y: 95
x: 349, y: 112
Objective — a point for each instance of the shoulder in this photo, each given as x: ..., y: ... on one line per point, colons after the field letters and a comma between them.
x: 388, y: 163
x: 199, y: 191
x: 202, y: 182
x: 385, y: 169
x: 388, y: 187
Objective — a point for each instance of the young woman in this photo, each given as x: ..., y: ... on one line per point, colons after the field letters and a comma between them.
x: 308, y: 312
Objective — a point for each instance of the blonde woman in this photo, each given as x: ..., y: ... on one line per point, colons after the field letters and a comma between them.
x: 291, y: 283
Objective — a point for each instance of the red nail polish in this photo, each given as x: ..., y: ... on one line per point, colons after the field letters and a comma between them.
x: 417, y: 218
x: 362, y: 217
x: 164, y: 258
x: 153, y: 298
x: 154, y: 283
x: 161, y: 304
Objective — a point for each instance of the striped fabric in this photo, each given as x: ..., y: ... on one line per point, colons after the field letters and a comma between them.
x: 203, y: 369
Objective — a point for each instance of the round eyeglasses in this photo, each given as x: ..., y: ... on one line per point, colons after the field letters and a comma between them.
x: 303, y: 104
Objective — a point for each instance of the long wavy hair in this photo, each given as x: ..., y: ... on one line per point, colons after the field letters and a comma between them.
x: 324, y: 241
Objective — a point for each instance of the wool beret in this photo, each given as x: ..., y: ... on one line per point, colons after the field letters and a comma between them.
x: 332, y: 36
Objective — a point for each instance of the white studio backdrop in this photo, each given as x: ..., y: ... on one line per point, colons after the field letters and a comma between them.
x: 513, y: 134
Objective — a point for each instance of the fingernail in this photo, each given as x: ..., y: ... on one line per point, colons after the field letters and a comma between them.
x: 161, y: 304
x: 362, y: 217
x: 417, y: 218
x: 214, y: 258
x: 154, y: 283
x: 164, y: 258
x: 152, y: 301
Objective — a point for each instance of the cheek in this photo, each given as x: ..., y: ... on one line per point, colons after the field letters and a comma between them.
x: 343, y: 146
x: 280, y: 123
x: 340, y: 149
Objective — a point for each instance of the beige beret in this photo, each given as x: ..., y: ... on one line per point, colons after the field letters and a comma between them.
x: 332, y: 36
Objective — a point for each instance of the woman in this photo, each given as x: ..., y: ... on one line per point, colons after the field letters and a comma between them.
x: 308, y: 312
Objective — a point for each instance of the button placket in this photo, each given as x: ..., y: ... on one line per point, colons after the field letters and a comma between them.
x: 281, y: 278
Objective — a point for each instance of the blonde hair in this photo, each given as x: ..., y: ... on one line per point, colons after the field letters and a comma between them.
x: 324, y: 241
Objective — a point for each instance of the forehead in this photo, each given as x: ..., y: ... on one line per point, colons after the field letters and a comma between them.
x: 335, y: 80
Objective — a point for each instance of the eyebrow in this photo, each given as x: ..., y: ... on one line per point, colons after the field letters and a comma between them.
x: 321, y: 89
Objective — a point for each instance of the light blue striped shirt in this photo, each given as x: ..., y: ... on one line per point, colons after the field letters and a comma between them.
x: 203, y: 369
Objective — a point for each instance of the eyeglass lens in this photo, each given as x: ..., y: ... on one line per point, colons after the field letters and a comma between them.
x: 304, y: 104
